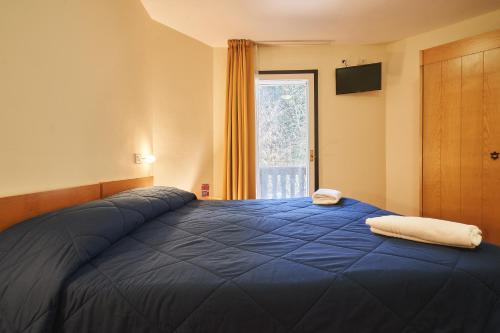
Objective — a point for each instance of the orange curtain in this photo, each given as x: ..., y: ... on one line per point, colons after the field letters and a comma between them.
x: 239, y: 150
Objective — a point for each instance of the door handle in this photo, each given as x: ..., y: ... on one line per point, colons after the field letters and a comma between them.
x: 311, y: 155
x: 494, y: 155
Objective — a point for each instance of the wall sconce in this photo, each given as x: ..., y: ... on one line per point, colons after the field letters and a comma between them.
x: 144, y: 159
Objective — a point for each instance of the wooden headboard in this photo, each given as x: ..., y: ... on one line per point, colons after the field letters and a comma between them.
x: 113, y: 187
x: 18, y: 208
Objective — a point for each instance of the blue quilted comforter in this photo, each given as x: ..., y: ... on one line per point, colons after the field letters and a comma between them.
x: 157, y: 260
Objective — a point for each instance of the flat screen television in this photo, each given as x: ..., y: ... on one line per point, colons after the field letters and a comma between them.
x: 360, y: 78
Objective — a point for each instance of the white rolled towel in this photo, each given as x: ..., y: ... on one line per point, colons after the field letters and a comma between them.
x: 427, y: 230
x: 325, y: 196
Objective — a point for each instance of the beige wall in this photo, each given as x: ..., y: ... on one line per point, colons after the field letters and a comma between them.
x: 351, y: 127
x: 219, y: 106
x: 85, y: 85
x: 403, y: 105
x: 370, y: 144
x: 182, y: 86
x: 81, y: 83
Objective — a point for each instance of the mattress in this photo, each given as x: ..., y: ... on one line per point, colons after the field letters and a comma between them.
x: 158, y: 260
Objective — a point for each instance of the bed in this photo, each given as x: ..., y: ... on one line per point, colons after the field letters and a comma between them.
x: 158, y: 260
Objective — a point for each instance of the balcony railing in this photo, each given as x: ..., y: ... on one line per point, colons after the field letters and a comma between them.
x: 282, y: 182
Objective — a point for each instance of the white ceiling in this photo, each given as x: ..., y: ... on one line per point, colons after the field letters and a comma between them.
x: 352, y: 21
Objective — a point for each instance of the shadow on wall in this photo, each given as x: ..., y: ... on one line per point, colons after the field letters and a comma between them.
x: 186, y: 171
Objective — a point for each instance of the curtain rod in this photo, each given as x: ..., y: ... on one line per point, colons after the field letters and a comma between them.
x: 294, y: 42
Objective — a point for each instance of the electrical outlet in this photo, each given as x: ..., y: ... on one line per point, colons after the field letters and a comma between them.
x: 205, y: 190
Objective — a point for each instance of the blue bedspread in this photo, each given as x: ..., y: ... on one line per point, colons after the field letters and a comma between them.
x: 156, y: 260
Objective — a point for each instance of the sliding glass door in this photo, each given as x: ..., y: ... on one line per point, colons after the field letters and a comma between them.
x: 285, y: 135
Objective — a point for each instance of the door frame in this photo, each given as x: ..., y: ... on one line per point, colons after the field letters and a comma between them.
x: 316, y: 140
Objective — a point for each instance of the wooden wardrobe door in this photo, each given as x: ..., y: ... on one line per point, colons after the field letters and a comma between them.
x: 450, y: 138
x: 461, y: 128
x: 491, y: 168
x: 431, y: 149
x: 472, y: 139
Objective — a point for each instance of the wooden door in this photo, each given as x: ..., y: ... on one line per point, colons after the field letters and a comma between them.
x: 431, y: 149
x: 461, y: 128
x: 451, y: 138
x: 491, y: 167
x: 472, y: 140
